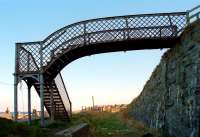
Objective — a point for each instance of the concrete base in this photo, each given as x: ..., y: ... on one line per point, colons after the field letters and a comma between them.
x: 75, y: 131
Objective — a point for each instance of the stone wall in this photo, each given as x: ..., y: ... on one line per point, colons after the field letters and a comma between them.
x: 170, y: 99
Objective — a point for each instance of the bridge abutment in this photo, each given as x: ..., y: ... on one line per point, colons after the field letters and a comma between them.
x: 170, y: 100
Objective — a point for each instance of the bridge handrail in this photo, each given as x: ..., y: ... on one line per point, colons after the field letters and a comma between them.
x: 193, y: 14
x: 173, y: 33
x: 82, y: 28
x: 63, y: 93
x: 62, y: 30
x: 79, y: 33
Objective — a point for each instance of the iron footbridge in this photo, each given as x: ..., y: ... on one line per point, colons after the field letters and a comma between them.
x: 39, y: 63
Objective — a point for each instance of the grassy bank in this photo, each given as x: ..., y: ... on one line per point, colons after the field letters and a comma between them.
x: 113, y: 125
x: 102, y: 124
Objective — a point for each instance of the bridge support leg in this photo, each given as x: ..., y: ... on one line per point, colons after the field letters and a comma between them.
x: 52, y: 104
x: 42, y: 124
x: 15, y: 98
x: 29, y: 104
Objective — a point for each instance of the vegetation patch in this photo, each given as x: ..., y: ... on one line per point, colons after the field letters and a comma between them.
x: 102, y: 124
x: 105, y: 124
x: 8, y: 128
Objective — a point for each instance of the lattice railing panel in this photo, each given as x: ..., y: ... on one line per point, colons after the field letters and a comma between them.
x: 34, y: 49
x: 23, y: 61
x: 179, y: 22
x: 26, y: 61
x: 107, y: 24
x: 65, y: 36
x: 105, y: 36
x: 146, y: 21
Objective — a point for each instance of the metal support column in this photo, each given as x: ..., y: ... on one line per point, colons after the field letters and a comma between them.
x: 42, y: 100
x: 52, y: 103
x: 15, y: 98
x: 16, y: 82
x: 42, y: 124
x: 29, y: 104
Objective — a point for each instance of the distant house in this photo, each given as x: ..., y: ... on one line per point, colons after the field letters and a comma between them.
x: 106, y: 108
x: 6, y: 114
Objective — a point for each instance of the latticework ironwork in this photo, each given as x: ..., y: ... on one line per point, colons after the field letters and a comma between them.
x: 102, y: 30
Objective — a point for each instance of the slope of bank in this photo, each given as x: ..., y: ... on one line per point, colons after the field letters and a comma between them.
x: 106, y: 124
x: 101, y: 124
x: 170, y: 100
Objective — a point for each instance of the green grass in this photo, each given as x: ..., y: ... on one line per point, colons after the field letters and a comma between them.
x: 117, y: 125
x: 9, y: 128
x: 102, y: 124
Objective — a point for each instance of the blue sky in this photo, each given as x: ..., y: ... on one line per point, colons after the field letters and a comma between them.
x: 111, y: 78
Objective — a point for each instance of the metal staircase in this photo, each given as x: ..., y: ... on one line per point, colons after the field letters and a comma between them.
x: 56, y: 99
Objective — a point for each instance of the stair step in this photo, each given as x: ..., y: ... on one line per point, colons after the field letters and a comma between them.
x: 54, y: 100
x: 54, y: 95
x: 48, y: 93
x: 57, y: 104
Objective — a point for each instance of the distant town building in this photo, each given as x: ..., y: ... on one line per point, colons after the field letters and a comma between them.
x: 35, y: 114
x: 6, y: 114
x: 105, y: 108
x: 23, y: 115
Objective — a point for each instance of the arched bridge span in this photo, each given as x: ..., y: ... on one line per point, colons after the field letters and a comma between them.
x: 45, y: 59
x: 147, y: 31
